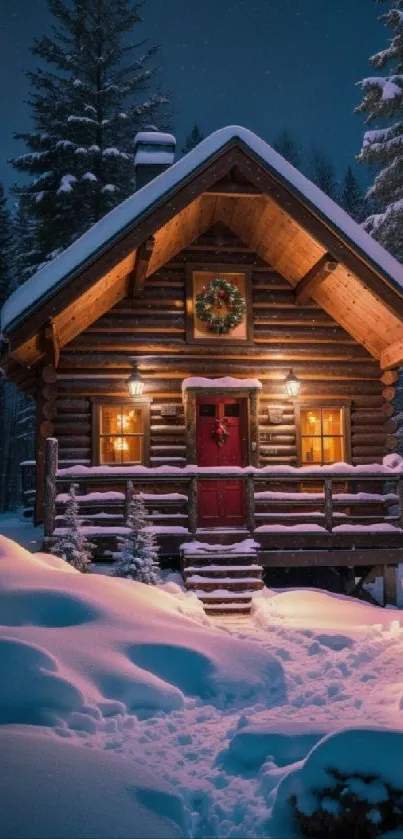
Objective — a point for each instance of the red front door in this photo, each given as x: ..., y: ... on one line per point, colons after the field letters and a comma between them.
x: 221, y: 420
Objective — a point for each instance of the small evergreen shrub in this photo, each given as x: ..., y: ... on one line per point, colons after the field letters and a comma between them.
x: 73, y: 546
x: 139, y: 553
x: 355, y: 807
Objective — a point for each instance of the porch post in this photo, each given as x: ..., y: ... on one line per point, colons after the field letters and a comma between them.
x: 389, y: 585
x: 328, y: 505
x: 400, y: 497
x: 250, y: 503
x: 128, y: 498
x: 192, y: 505
x: 49, y: 499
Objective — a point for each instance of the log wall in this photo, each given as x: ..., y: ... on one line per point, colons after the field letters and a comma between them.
x: 149, y: 332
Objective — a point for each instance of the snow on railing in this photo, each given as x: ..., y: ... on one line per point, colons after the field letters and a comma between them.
x: 387, y: 475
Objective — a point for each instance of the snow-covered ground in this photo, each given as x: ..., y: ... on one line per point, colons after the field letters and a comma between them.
x: 126, y: 712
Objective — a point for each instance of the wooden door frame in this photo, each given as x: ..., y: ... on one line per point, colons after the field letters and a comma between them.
x: 251, y: 395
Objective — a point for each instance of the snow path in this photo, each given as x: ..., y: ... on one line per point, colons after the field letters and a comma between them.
x: 332, y: 681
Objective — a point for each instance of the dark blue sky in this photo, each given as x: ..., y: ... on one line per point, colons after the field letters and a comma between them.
x: 265, y: 64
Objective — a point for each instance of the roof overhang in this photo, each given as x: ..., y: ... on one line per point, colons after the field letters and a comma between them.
x: 364, y: 292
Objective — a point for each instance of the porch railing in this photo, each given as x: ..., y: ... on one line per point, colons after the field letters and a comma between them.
x: 334, y: 494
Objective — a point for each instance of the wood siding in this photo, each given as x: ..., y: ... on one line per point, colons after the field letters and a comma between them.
x: 148, y: 331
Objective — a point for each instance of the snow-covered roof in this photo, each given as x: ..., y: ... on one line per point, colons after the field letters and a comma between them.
x: 56, y: 273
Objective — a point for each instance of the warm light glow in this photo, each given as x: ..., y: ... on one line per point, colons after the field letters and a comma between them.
x: 136, y: 385
x: 123, y: 421
x: 120, y: 444
x: 292, y: 384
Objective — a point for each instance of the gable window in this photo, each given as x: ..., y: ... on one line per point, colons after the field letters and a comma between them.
x: 323, y: 435
x: 121, y: 433
x: 218, y: 305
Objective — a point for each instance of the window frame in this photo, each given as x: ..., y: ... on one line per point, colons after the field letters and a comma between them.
x: 218, y: 268
x: 125, y: 402
x: 313, y: 405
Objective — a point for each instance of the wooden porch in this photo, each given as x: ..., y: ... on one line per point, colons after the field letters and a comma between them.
x: 346, y: 519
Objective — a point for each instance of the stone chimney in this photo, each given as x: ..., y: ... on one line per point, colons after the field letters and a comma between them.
x: 154, y: 152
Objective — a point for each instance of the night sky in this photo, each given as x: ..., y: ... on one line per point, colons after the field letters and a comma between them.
x: 264, y: 64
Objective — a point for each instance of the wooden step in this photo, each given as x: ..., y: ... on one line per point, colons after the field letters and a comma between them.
x: 224, y: 580
x: 211, y: 584
x: 223, y: 570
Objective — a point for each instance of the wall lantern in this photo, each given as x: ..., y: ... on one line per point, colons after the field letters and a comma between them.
x: 135, y: 384
x: 292, y: 384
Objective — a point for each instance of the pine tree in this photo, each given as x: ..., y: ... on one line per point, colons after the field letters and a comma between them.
x: 322, y: 172
x: 382, y: 148
x: 17, y: 429
x: 139, y: 553
x: 73, y: 546
x: 90, y: 94
x: 352, y: 196
x: 289, y: 148
x: 193, y: 139
x: 25, y: 252
x: 5, y: 248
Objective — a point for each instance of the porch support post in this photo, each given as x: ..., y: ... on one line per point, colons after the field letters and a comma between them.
x: 49, y: 499
x: 389, y: 585
x: 400, y: 497
x: 328, y: 505
x: 128, y: 498
x: 192, y: 506
x: 250, y: 503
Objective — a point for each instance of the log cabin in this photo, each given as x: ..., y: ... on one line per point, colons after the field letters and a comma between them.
x: 228, y: 342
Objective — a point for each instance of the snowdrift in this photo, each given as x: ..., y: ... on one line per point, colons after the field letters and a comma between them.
x: 52, y: 788
x: 79, y: 647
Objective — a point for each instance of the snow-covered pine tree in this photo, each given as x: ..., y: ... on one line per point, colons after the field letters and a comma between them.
x: 94, y: 89
x: 138, y: 550
x: 382, y: 148
x: 73, y: 546
x: 17, y: 432
x: 289, y: 148
x: 26, y: 254
x: 193, y: 139
x: 352, y: 196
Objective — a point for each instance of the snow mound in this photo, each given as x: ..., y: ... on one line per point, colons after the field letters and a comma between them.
x: 76, y: 792
x: 85, y: 646
x: 254, y: 744
x: 368, y: 758
x: 315, y: 610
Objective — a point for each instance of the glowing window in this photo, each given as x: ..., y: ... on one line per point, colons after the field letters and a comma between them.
x: 121, y: 434
x: 322, y: 436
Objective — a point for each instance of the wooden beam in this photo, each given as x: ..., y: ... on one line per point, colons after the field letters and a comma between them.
x: 52, y: 343
x: 143, y: 256
x: 299, y: 558
x: 392, y: 356
x: 234, y: 191
x: 313, y: 279
x: 310, y: 219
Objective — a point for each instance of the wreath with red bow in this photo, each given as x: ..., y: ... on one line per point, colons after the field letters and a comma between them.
x: 220, y: 305
x: 220, y: 432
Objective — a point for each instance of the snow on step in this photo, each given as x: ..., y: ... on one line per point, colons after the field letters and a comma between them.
x: 197, y: 578
x: 227, y: 607
x: 224, y: 594
x: 190, y: 569
x: 226, y: 578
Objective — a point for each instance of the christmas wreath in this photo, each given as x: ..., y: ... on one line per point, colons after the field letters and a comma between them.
x: 220, y: 432
x: 220, y: 305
